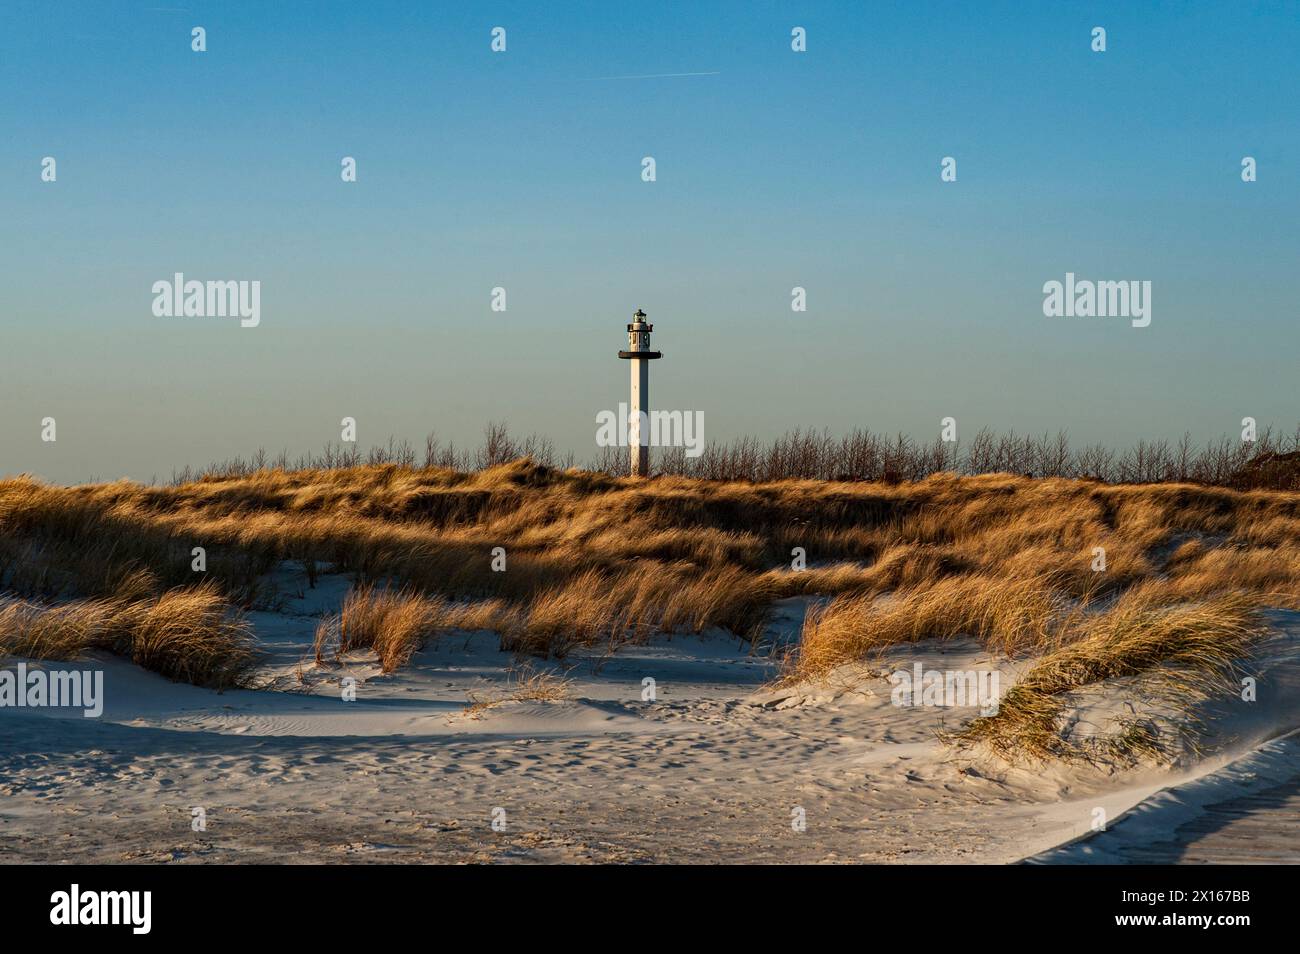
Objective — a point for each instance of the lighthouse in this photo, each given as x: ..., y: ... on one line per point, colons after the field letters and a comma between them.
x: 639, y: 354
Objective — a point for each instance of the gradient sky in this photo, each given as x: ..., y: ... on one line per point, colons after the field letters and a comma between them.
x: 522, y: 170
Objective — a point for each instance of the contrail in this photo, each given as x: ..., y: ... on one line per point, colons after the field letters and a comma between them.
x: 654, y: 75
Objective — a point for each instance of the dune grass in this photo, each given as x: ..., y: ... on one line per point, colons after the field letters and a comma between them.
x: 188, y: 635
x: 1182, y: 647
x: 525, y: 684
x: 395, y: 624
x: 592, y: 559
x: 434, y: 531
x: 1010, y: 615
x: 1181, y: 652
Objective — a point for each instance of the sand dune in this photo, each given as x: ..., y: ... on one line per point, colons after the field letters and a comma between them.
x: 718, y: 768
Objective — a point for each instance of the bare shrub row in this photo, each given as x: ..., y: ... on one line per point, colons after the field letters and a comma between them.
x: 1272, y: 461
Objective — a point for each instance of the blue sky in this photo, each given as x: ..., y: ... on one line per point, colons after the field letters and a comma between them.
x: 522, y: 170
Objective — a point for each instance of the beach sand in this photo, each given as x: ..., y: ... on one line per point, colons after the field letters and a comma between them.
x: 718, y: 767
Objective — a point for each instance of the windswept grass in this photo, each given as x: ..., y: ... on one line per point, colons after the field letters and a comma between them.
x: 1181, y: 636
x: 1024, y: 565
x: 1181, y: 652
x: 189, y: 635
x: 1015, y: 615
x: 397, y: 623
x: 591, y: 609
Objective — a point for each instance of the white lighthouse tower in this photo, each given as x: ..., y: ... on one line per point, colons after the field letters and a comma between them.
x: 638, y: 412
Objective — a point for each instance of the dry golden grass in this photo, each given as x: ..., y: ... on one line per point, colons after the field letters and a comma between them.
x: 188, y: 635
x: 1011, y: 615
x: 1182, y: 652
x: 536, y: 685
x: 1270, y: 573
x: 527, y: 684
x: 395, y: 624
x: 594, y: 559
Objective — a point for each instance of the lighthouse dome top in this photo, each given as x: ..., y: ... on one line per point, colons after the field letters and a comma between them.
x: 638, y: 338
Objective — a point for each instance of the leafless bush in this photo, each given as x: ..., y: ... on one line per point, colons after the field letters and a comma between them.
x: 816, y: 455
x: 864, y: 456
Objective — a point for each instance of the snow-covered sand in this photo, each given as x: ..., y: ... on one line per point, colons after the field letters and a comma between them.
x: 717, y: 768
